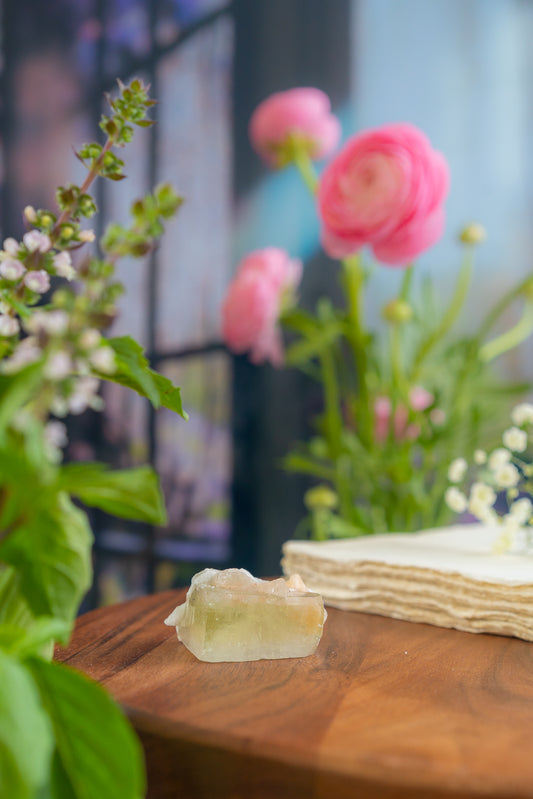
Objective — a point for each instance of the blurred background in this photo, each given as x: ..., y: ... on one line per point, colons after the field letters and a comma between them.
x: 462, y: 70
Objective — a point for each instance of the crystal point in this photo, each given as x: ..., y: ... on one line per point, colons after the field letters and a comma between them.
x: 232, y: 616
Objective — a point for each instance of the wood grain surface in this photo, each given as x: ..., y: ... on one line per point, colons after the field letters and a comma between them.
x: 384, y: 708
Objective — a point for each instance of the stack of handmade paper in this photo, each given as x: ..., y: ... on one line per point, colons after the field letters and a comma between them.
x: 449, y: 577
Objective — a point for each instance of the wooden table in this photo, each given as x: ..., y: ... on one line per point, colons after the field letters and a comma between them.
x: 383, y: 709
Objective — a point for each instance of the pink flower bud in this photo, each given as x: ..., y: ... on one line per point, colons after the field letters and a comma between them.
x: 38, y: 281
x: 304, y: 114
x: 385, y: 188
x: 265, y: 282
x: 420, y: 399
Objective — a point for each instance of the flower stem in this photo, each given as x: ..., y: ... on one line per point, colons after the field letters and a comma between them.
x: 493, y: 316
x: 450, y: 315
x: 306, y: 169
x: 398, y: 376
x: 510, y: 339
x: 353, y: 280
x: 332, y: 407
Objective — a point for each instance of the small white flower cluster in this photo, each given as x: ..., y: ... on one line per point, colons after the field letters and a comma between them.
x: 502, y: 470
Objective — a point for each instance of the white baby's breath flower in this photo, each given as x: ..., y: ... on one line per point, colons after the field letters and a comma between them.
x: 11, y: 246
x: 9, y: 326
x: 35, y: 241
x: 63, y: 265
x: 457, y: 470
x: 480, y: 457
x: 515, y: 439
x: 103, y: 360
x: 482, y: 511
x: 455, y: 500
x: 58, y: 366
x: 521, y: 510
x: 506, y: 475
x: 37, y: 280
x: 11, y: 269
x: 498, y: 457
x: 522, y: 414
x: 481, y: 492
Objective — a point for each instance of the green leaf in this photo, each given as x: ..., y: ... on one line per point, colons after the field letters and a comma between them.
x: 26, y: 740
x: 34, y: 638
x: 98, y: 752
x: 169, y: 394
x: 51, y: 550
x: 128, y: 493
x: 133, y: 371
x: 16, y: 391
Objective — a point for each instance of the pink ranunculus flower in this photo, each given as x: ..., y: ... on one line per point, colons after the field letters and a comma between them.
x: 264, y: 285
x: 385, y: 189
x: 302, y: 113
x: 419, y: 400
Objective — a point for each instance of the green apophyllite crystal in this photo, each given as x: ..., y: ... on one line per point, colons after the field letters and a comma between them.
x: 232, y: 616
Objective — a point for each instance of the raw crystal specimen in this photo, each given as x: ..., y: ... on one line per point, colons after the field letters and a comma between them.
x: 232, y: 616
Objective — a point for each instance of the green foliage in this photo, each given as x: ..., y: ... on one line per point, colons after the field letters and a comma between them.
x: 129, y: 493
x: 96, y: 752
x: 133, y: 371
x: 26, y: 737
x: 61, y: 736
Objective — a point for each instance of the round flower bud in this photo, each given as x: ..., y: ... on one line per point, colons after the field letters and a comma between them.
x: 58, y: 366
x: 63, y: 265
x: 87, y: 236
x: 103, y: 360
x: 30, y: 214
x: 473, y: 234
x: 321, y: 497
x: 397, y: 311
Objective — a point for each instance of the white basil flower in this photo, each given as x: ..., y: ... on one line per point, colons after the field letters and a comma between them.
x: 58, y: 366
x: 11, y: 269
x: 63, y: 265
x: 35, y: 241
x: 11, y: 246
x: 103, y: 360
x: 37, y: 280
x: 9, y: 326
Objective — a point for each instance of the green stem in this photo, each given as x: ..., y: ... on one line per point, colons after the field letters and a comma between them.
x: 332, y: 406
x: 354, y: 280
x: 398, y: 377
x: 450, y: 315
x: 493, y: 316
x: 306, y: 169
x: 510, y: 339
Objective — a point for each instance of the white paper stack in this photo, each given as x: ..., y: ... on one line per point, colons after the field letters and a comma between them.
x: 449, y: 577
